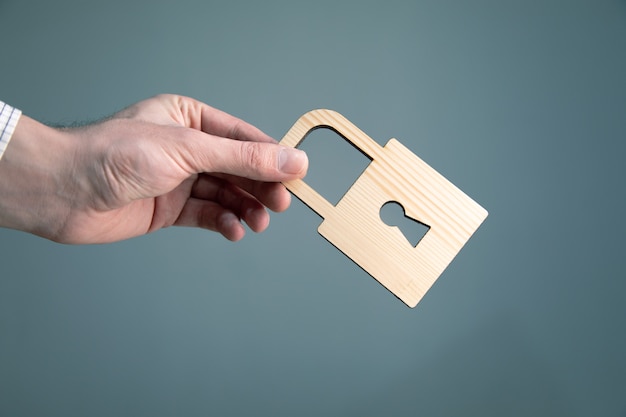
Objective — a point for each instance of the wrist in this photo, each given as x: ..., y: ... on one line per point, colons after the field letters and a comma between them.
x: 36, y: 179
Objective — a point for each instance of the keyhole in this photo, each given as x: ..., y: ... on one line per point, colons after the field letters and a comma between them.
x: 393, y: 214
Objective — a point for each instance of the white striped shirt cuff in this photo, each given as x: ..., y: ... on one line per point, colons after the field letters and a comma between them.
x: 9, y: 117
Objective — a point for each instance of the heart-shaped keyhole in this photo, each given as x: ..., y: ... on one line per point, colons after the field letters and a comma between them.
x: 393, y: 214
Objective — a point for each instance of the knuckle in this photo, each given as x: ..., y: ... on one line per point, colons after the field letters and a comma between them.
x: 255, y: 156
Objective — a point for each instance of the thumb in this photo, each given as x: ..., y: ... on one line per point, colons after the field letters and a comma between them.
x: 262, y: 161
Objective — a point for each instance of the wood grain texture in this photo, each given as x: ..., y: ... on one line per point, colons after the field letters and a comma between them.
x: 354, y: 225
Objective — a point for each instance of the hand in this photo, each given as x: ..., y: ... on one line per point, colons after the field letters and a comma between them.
x: 168, y: 160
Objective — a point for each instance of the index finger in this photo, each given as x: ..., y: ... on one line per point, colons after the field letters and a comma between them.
x: 219, y: 123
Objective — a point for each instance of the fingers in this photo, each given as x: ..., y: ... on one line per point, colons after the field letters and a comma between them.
x: 218, y: 205
x: 215, y: 141
x: 272, y: 195
x: 195, y: 114
x: 270, y: 162
x: 168, y: 109
x: 212, y: 216
x: 219, y: 123
x: 231, y: 197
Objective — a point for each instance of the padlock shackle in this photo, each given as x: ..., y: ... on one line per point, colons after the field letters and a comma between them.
x: 324, y: 118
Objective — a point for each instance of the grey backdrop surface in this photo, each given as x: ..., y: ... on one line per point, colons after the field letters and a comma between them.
x: 522, y: 104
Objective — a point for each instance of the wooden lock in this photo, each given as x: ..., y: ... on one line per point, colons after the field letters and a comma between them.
x: 394, y: 174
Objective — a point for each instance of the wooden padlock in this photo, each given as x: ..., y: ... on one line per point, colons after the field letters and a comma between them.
x: 394, y: 174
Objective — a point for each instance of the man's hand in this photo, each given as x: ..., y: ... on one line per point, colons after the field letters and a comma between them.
x: 168, y: 160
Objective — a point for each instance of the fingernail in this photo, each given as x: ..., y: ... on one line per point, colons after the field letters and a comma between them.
x: 292, y: 161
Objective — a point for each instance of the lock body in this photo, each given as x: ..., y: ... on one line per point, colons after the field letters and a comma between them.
x: 355, y: 228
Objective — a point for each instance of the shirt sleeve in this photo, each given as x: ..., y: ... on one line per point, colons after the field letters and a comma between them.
x: 9, y: 117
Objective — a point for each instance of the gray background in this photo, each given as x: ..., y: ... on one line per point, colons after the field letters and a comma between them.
x: 522, y: 104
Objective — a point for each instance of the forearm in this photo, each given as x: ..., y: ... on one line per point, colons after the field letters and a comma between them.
x: 35, y: 179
